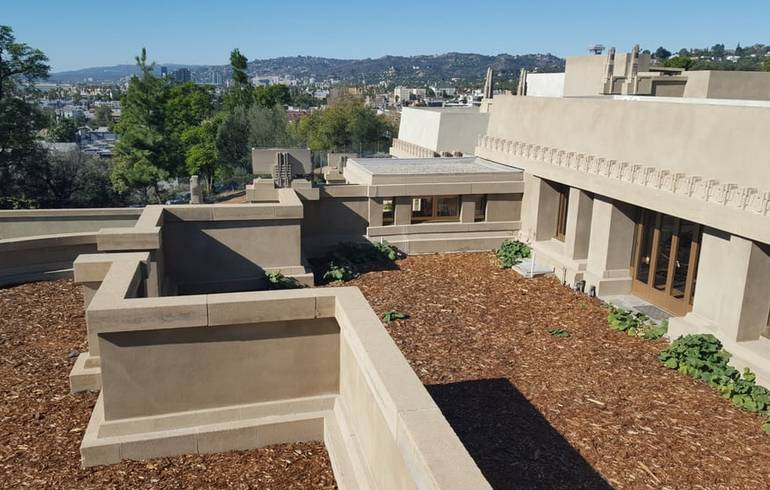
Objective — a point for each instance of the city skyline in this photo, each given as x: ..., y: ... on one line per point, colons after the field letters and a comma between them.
x: 186, y: 33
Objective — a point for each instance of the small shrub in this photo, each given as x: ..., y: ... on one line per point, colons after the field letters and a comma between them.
x: 702, y: 357
x: 391, y: 315
x: 339, y: 271
x: 635, y: 324
x: 559, y: 332
x: 511, y: 252
x: 388, y: 251
x: 276, y: 280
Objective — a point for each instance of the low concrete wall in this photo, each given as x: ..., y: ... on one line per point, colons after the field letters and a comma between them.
x: 42, y: 257
x: 35, y: 222
x: 268, y: 367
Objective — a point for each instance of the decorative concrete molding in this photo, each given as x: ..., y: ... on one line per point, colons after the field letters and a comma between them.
x: 749, y: 199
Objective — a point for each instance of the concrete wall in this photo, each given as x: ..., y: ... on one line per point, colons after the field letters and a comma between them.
x: 545, y: 84
x: 266, y: 368
x: 34, y: 222
x: 747, y: 85
x: 441, y: 129
x: 42, y: 257
x: 263, y: 160
x: 244, y: 364
x: 584, y: 75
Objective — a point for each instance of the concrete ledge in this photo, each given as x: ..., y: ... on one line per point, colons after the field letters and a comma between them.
x: 450, y: 227
x: 84, y: 378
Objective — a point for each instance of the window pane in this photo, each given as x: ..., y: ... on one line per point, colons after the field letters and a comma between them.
x: 480, y: 211
x: 667, y: 229
x: 422, y: 207
x: 687, y: 231
x: 448, y: 206
x: 387, y: 211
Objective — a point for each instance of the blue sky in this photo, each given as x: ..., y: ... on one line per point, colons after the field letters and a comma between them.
x: 78, y: 34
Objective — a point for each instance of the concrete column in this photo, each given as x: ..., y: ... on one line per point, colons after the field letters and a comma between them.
x: 467, y: 209
x: 576, y: 238
x: 403, y: 210
x: 732, y: 289
x: 375, y: 211
x: 539, y: 208
x: 610, y: 245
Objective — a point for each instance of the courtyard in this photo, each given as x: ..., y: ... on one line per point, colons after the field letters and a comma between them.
x: 594, y: 409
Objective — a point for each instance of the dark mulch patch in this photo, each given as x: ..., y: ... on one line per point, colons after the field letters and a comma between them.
x: 539, y: 411
x: 41, y: 424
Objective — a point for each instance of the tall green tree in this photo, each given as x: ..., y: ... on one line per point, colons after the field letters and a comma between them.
x: 142, y: 153
x: 232, y: 139
x: 21, y: 157
x: 241, y: 92
x: 62, y: 130
x: 103, y: 116
x: 19, y: 63
x: 272, y: 95
x: 201, y: 156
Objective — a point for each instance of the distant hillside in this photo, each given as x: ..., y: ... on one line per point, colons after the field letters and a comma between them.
x: 395, y: 69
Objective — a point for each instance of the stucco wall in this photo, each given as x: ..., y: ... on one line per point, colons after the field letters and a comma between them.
x: 746, y: 85
x: 450, y: 129
x: 545, y: 84
x: 244, y: 364
x: 723, y: 142
x: 34, y: 222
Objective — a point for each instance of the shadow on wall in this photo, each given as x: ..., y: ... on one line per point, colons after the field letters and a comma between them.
x: 511, y: 442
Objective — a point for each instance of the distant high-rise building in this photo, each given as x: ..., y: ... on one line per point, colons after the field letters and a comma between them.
x: 182, y: 75
x: 217, y: 78
x: 163, y: 71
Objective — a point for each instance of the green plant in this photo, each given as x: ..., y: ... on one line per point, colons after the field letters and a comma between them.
x: 391, y: 315
x: 559, y: 332
x: 276, y: 280
x: 339, y: 271
x: 702, y: 357
x: 367, y: 252
x: 390, y: 252
x: 635, y: 324
x: 511, y: 252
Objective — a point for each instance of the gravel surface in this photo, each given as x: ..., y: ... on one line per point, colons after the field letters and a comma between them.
x: 41, y: 330
x: 591, y: 410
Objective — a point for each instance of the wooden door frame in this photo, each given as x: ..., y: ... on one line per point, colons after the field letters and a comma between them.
x: 647, y: 291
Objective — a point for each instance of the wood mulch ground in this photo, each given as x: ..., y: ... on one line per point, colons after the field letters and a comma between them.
x: 41, y: 424
x: 592, y: 410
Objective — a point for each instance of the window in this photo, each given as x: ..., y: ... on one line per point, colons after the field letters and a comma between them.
x: 480, y: 208
x: 388, y: 211
x: 435, y: 208
x: 561, y: 213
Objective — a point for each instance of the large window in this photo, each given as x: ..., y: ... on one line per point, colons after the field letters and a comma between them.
x: 435, y: 208
x: 562, y: 210
x: 388, y: 211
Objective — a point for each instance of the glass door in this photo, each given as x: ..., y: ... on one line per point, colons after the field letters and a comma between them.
x: 664, y: 261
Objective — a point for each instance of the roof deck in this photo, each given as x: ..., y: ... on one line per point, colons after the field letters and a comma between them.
x: 374, y: 171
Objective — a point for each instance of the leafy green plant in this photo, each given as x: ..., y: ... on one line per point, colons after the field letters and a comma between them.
x: 339, y: 271
x: 702, y: 357
x: 388, y: 251
x: 276, y: 280
x: 635, y: 324
x: 511, y: 252
x: 391, y: 315
x: 559, y: 332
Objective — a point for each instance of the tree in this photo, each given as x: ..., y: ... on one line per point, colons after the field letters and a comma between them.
x: 718, y: 50
x: 232, y: 139
x: 202, y: 157
x: 684, y: 52
x: 662, y: 54
x: 62, y: 130
x: 142, y: 156
x: 187, y: 105
x: 272, y: 95
x: 766, y: 65
x: 738, y: 50
x: 241, y: 93
x: 19, y: 62
x: 679, y: 62
x: 103, y: 116
x: 268, y: 126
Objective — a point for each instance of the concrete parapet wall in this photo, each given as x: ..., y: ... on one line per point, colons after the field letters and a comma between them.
x: 268, y: 367
x: 42, y: 257
x: 35, y: 222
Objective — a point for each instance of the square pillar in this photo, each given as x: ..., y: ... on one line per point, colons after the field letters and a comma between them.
x: 610, y: 245
x: 539, y: 208
x: 732, y: 289
x: 375, y: 211
x: 403, y: 210
x: 579, y: 213
x: 467, y: 209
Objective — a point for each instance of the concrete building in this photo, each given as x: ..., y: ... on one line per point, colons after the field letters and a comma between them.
x: 439, y: 130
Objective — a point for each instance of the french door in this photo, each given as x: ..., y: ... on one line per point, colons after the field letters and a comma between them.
x: 665, y: 261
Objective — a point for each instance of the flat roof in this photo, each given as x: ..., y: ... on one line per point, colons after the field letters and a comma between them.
x: 431, y: 166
